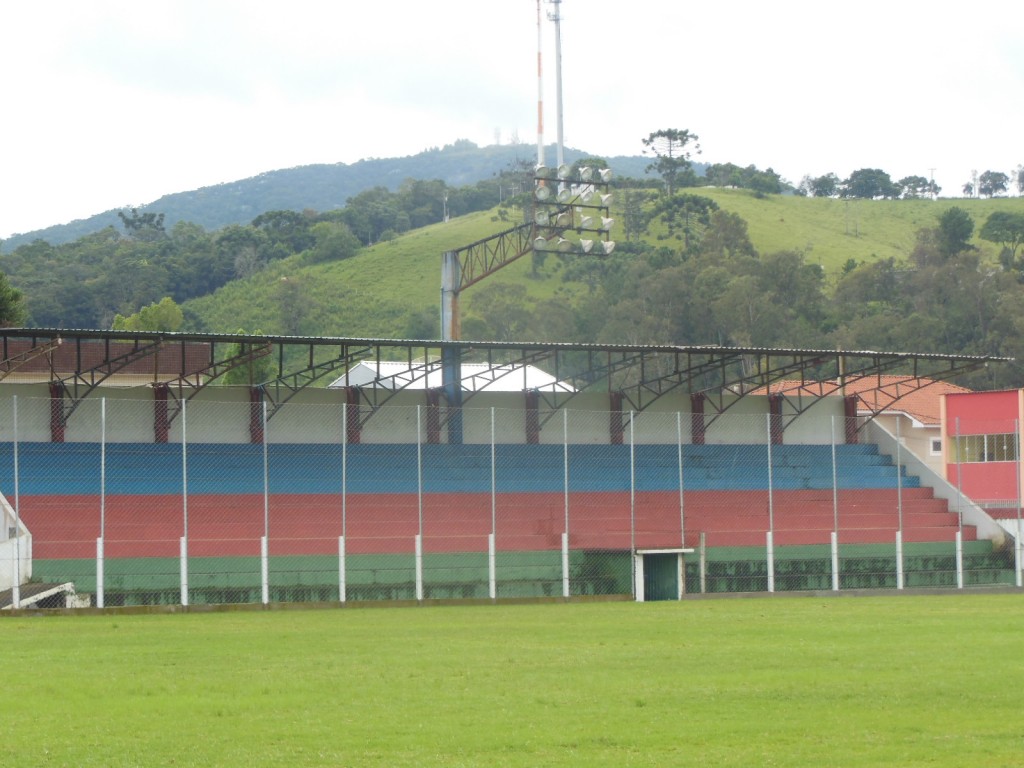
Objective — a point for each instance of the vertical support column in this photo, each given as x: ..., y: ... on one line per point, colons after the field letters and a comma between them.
x: 615, y: 428
x: 16, y: 581
x: 451, y: 382
x: 492, y: 556
x: 100, y: 554
x: 353, y: 425
x: 850, y: 419
x: 433, y: 416
x: 775, y: 403
x: 1017, y: 468
x: 770, y: 536
x: 679, y: 459
x: 532, y: 413
x: 255, y: 415
x: 835, y: 509
x: 184, y: 504
x: 57, y: 421
x: 419, y: 505
x: 566, y: 587
x: 265, y: 542
x: 161, y: 424
x: 632, y: 489
x: 342, y: 571
x: 697, y: 425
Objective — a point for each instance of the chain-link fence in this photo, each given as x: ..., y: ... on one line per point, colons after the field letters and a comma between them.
x: 235, y: 502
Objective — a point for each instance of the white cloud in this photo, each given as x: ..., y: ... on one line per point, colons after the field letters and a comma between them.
x: 109, y: 103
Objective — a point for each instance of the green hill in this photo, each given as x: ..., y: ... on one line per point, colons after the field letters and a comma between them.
x: 390, y: 289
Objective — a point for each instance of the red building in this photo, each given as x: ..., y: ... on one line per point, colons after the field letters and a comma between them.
x: 981, y: 447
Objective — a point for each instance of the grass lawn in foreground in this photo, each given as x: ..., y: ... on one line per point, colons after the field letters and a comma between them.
x: 886, y: 681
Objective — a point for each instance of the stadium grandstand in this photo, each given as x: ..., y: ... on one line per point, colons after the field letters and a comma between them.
x: 350, y: 470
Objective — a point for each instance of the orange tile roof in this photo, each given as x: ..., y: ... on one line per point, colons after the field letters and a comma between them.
x: 918, y: 398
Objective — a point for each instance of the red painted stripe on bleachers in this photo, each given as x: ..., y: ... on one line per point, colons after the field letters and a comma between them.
x: 222, y: 525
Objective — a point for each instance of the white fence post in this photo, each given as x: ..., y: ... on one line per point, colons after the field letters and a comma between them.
x: 265, y: 568
x: 419, y: 566
x: 835, y: 561
x: 959, y: 560
x: 565, y: 492
x: 342, y: 585
x: 183, y: 568
x: 899, y: 559
x: 492, y: 569
x: 99, y: 573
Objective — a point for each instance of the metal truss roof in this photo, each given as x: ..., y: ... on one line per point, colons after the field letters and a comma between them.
x: 78, y: 361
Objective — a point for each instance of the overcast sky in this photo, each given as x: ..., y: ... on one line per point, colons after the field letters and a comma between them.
x: 108, y: 103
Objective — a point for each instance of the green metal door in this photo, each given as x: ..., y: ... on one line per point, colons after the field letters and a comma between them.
x: 661, y: 576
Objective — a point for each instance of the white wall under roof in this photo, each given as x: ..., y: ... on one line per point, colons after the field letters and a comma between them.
x: 475, y: 377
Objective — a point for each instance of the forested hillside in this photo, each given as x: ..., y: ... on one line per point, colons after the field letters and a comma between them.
x: 703, y: 265
x: 323, y: 188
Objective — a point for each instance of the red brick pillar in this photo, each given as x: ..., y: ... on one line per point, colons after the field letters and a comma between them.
x: 161, y: 424
x: 697, y: 426
x: 56, y: 412
x: 353, y: 432
x: 850, y: 418
x: 775, y: 418
x: 433, y: 416
x: 255, y: 415
x: 615, y: 428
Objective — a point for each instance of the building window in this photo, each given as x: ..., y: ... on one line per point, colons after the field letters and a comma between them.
x: 936, y: 446
x: 976, y: 448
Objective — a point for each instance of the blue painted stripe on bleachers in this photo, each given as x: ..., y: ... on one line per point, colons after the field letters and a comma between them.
x: 147, y: 468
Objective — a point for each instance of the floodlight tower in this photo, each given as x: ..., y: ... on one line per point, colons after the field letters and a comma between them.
x: 540, y: 92
x: 556, y: 17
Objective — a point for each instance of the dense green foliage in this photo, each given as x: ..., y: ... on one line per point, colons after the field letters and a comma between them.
x: 883, y: 681
x: 710, y: 265
x: 324, y: 187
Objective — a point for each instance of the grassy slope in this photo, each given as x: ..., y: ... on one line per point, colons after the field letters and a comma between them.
x: 372, y: 294
x: 883, y: 681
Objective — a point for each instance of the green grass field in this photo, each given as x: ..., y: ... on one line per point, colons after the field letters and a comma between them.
x: 879, y: 681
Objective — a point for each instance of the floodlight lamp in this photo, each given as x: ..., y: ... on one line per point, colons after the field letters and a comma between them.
x: 608, y: 246
x: 588, y: 195
x: 543, y: 172
x: 606, y: 223
x: 563, y: 220
x: 586, y: 173
x: 606, y: 200
x: 540, y: 244
x: 543, y: 192
x: 565, y: 246
x: 605, y: 174
x: 586, y: 222
x: 541, y: 218
x: 586, y: 246
x: 564, y: 196
x: 564, y: 171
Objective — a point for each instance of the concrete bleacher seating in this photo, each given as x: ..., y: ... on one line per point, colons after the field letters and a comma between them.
x: 725, y: 497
